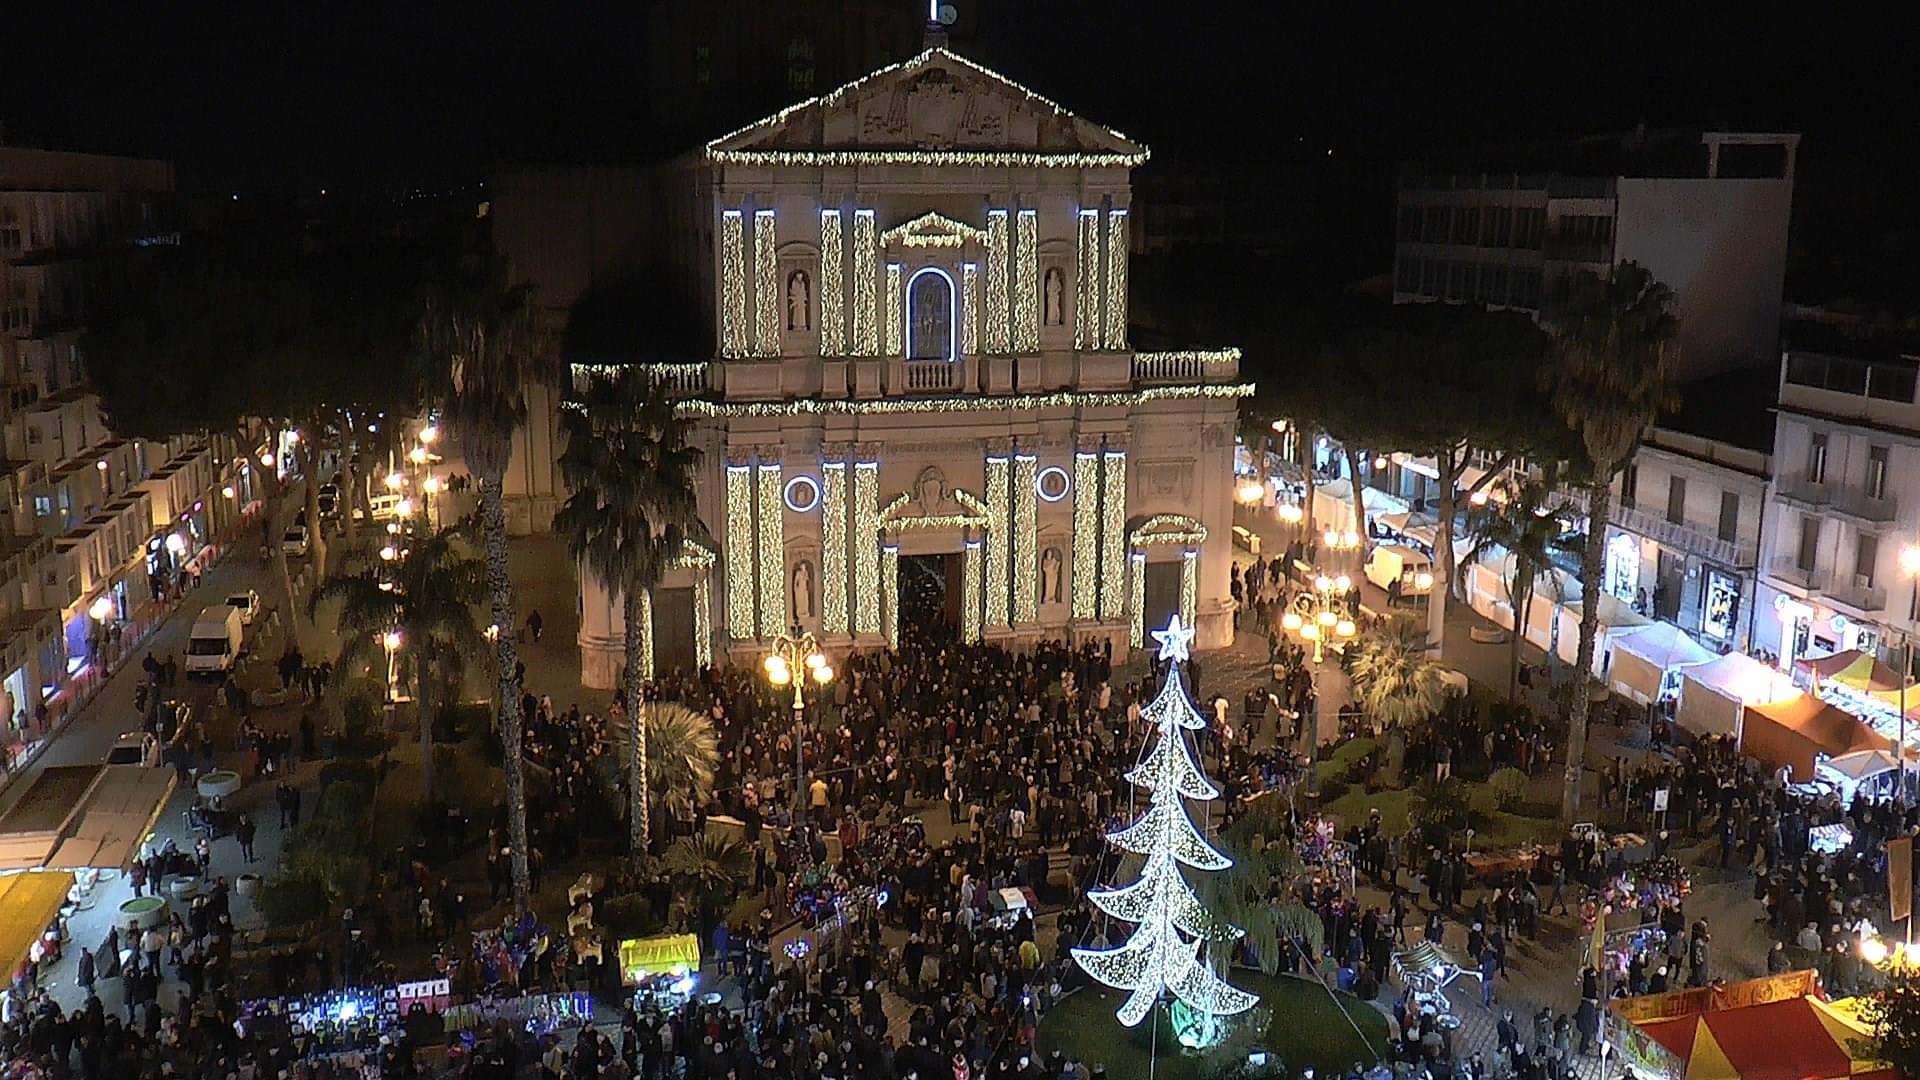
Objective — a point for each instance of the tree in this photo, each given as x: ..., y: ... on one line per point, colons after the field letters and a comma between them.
x: 1171, y: 923
x: 428, y: 600
x: 1608, y: 381
x: 1893, y: 1012
x: 1397, y: 682
x: 707, y: 873
x: 478, y: 336
x: 682, y: 752
x: 1519, y: 529
x: 630, y: 469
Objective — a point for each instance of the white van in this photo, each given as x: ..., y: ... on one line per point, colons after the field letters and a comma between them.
x: 1397, y: 562
x: 216, y: 641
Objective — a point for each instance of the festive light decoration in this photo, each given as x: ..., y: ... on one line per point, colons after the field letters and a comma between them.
x: 733, y: 284
x: 866, y: 531
x: 1026, y: 274
x: 801, y: 494
x: 895, y: 316
x: 976, y: 517
x: 1137, y: 598
x: 1094, y: 399
x: 1086, y: 533
x: 969, y: 308
x: 740, y: 552
x: 646, y: 633
x: 703, y: 619
x: 772, y: 560
x: 1026, y: 568
x: 997, y: 548
x: 1169, y: 529
x: 833, y: 550
x: 866, y: 259
x: 833, y: 315
x: 1189, y: 583
x: 1113, y: 511
x: 933, y: 230
x: 996, y: 315
x: 970, y: 592
x: 1115, y: 336
x: 1171, y: 924
x: 727, y: 149
x: 1199, y: 365
x: 766, y: 285
x: 890, y: 574
x: 1086, y: 290
x: 1052, y: 484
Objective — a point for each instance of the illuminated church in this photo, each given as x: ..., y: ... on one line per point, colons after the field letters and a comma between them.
x: 920, y: 404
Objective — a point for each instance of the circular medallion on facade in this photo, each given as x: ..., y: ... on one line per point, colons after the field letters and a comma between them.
x: 802, y: 494
x: 1052, y: 484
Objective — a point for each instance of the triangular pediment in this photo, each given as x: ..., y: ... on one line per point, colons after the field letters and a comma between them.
x: 938, y: 105
x: 932, y: 229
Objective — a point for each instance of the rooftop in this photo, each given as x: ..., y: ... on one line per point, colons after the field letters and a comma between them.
x: 1733, y: 407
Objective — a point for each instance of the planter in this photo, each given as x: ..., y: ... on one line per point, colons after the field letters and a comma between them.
x: 185, y: 887
x: 144, y: 912
x: 247, y: 885
x: 218, y: 784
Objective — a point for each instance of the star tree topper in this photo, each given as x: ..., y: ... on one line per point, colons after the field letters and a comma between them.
x: 1175, y: 641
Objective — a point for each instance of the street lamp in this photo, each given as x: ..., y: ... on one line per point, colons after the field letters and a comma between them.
x: 417, y: 455
x: 429, y: 434
x: 1910, y: 566
x: 102, y: 609
x: 1290, y: 514
x: 395, y: 481
x: 1249, y: 492
x: 391, y: 640
x: 1321, y: 616
x: 792, y: 662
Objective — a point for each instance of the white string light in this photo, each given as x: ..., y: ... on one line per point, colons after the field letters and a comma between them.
x: 740, y: 552
x: 1025, y: 538
x: 866, y: 531
x: 969, y: 308
x: 833, y: 315
x: 766, y: 285
x: 1189, y: 583
x: 996, y: 314
x: 1092, y: 399
x: 1026, y: 263
x: 1115, y: 336
x: 1137, y: 598
x: 866, y: 263
x: 970, y: 592
x: 703, y: 619
x: 833, y: 552
x: 1086, y: 290
x: 894, y: 319
x: 933, y: 230
x: 772, y: 561
x: 1086, y: 533
x: 1113, y: 509
x: 733, y: 284
x: 1169, y: 529
x: 972, y: 159
x: 646, y: 633
x: 996, y: 540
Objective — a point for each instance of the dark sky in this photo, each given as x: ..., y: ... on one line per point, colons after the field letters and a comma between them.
x: 270, y: 93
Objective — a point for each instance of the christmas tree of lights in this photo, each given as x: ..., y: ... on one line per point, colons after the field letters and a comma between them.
x: 1163, y: 954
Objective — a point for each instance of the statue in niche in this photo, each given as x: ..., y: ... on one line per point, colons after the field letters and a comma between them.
x: 800, y: 596
x: 799, y: 301
x: 930, y: 490
x: 1050, y: 561
x: 1054, y: 297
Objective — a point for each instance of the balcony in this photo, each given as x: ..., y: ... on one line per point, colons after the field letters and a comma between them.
x: 1186, y: 368
x: 1865, y: 600
x: 1682, y: 536
x: 1862, y: 506
x: 929, y: 376
x: 1797, y: 490
x: 1787, y: 569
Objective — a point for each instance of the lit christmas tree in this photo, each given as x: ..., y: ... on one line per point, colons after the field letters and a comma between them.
x: 1163, y: 955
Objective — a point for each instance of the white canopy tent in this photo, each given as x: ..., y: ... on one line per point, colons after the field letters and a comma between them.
x: 1645, y: 658
x: 1487, y: 593
x: 1714, y: 695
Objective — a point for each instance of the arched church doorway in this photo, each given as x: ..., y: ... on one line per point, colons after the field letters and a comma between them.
x: 931, y: 589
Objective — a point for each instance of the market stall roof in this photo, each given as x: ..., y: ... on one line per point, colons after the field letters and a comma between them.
x: 1800, y: 1037
x: 1643, y: 656
x: 28, y: 902
x: 1864, y: 764
x: 1852, y: 667
x: 666, y: 954
x: 1742, y: 678
x: 1793, y: 732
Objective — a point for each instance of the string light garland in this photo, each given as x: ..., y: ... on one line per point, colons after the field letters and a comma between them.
x: 1113, y: 509
x: 866, y: 259
x: 1025, y: 538
x: 1189, y: 583
x: 1169, y: 529
x: 733, y: 284
x: 832, y: 159
x: 1086, y: 533
x: 740, y: 552
x: 894, y: 320
x: 1026, y: 263
x: 1171, y: 924
x: 970, y: 592
x: 1091, y: 399
x: 772, y: 561
x: 996, y: 554
x: 766, y: 285
x: 833, y: 550
x: 969, y: 308
x: 646, y: 633
x: 1086, y: 287
x: 1115, y: 336
x: 1137, y: 598
x: 833, y: 315
x: 890, y: 574
x: 866, y: 531
x: 933, y: 230
x: 996, y: 315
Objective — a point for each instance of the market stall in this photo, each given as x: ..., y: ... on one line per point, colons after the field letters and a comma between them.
x: 1849, y: 667
x: 1795, y: 732
x: 30, y: 902
x: 1863, y: 770
x: 1714, y: 695
x: 1745, y: 1030
x: 1647, y: 661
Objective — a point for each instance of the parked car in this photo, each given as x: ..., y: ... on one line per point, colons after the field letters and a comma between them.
x: 247, y: 603
x: 328, y: 497
x: 129, y: 749
x: 294, y: 540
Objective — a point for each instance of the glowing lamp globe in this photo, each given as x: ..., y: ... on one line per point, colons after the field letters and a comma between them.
x: 428, y: 434
x: 1291, y: 620
x: 293, y: 437
x: 431, y: 484
x: 403, y: 507
x: 1327, y: 618
x: 1323, y: 583
x: 102, y: 609
x: 227, y: 492
x: 1380, y: 462
x: 1290, y: 514
x: 266, y: 460
x: 1873, y: 951
x: 1249, y: 492
x: 773, y: 662
x: 1350, y: 538
x: 1343, y: 583
x: 1423, y: 580
x: 417, y: 455
x: 1344, y: 628
x: 1332, y: 537
x: 395, y: 481
x: 816, y: 661
x: 101, y: 464
x: 391, y: 639
x: 176, y: 543
x: 1310, y: 631
x: 823, y: 674
x: 387, y: 553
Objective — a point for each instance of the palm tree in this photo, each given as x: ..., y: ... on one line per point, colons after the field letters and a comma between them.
x: 483, y: 350
x: 1608, y: 379
x: 682, y: 752
x: 707, y: 872
x: 428, y: 600
x: 630, y: 469
x: 1519, y: 529
x: 1397, y: 681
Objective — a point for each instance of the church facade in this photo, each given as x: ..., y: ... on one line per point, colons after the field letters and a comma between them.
x: 922, y: 387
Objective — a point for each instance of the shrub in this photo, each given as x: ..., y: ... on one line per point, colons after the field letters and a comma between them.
x: 353, y: 771
x: 289, y: 899
x: 1331, y: 789
x: 1439, y: 806
x: 463, y: 720
x: 1509, y: 787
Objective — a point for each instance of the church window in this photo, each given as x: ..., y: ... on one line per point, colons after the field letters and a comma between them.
x: 930, y: 315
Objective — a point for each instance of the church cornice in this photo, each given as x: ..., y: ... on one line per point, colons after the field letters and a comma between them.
x: 970, y: 403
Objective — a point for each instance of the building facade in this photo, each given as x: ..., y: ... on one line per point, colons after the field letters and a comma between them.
x: 1845, y: 503
x: 1715, y: 235
x: 920, y: 404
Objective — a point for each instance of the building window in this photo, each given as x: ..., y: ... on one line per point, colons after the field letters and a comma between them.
x: 1433, y: 226
x: 930, y: 320
x: 1817, y: 459
x: 1809, y: 542
x: 1406, y: 276
x: 42, y: 505
x: 1495, y: 280
x: 1499, y: 226
x: 1466, y: 225
x: 1529, y: 224
x: 1432, y: 277
x: 1677, y: 499
x: 1729, y: 516
x: 1877, y: 472
x: 1409, y: 225
x: 1526, y: 289
x: 1460, y: 281
x: 1629, y: 480
x: 1865, y: 553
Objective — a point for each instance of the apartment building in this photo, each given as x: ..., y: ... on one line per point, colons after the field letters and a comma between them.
x: 91, y: 526
x: 1706, y: 213
x: 1845, y: 499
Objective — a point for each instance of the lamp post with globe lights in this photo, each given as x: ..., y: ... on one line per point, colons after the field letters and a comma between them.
x: 1321, y: 616
x: 795, y: 661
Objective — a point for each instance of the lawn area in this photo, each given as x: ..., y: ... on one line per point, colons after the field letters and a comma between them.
x: 1535, y: 822
x: 1305, y: 1028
